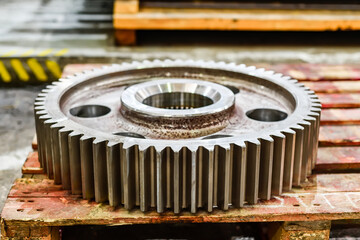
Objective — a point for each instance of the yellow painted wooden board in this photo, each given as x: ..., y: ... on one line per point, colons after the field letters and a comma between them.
x: 261, y: 20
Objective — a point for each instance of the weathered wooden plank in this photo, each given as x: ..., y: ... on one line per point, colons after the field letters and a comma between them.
x: 340, y: 100
x: 210, y: 19
x: 338, y: 158
x: 320, y: 196
x: 331, y: 135
x: 340, y: 116
x: 317, y: 72
x: 32, y: 164
x: 34, y: 144
x: 326, y: 200
x: 334, y: 86
x: 301, y: 230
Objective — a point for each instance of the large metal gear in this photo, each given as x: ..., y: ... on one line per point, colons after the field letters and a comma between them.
x: 177, y: 134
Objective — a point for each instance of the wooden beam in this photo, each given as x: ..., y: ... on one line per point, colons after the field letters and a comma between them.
x: 126, y: 6
x: 303, y: 230
x: 246, y: 20
x: 125, y: 37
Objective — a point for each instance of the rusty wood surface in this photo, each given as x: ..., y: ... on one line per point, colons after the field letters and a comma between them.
x: 340, y: 116
x: 332, y: 135
x: 32, y: 165
x: 326, y: 197
x: 338, y: 158
x: 340, y: 100
x: 34, y: 143
x: 334, y: 86
x: 302, y: 230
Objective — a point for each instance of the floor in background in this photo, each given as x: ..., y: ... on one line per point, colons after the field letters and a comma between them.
x: 16, y: 132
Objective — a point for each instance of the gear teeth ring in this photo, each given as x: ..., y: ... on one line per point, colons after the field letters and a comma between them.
x: 229, y: 166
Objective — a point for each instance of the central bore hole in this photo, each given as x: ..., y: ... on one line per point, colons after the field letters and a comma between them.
x: 177, y: 100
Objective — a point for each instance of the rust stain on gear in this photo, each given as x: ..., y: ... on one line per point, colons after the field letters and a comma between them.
x: 177, y: 135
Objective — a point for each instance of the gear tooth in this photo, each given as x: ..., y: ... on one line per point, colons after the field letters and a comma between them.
x: 315, y: 136
x: 74, y: 161
x: 266, y: 166
x: 54, y: 129
x: 87, y: 167
x: 113, y: 173
x: 169, y: 162
x: 100, y: 175
x: 144, y: 170
x: 64, y: 158
x: 224, y: 167
x: 299, y: 142
x: 39, y: 126
x: 290, y: 136
x: 160, y: 180
x: 177, y: 182
x: 48, y: 148
x: 128, y: 172
x: 251, y: 68
x: 313, y: 118
x: 269, y: 72
x: 252, y: 171
x: 306, y: 146
x: 193, y: 181
x: 278, y: 75
x: 152, y: 159
x: 278, y: 164
x: 239, y: 167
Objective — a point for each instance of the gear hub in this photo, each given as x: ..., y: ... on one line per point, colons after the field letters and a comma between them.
x: 177, y: 135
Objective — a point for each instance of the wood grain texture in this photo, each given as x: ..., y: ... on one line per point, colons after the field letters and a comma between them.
x: 334, y: 86
x: 255, y: 20
x: 332, y: 135
x: 340, y: 100
x: 32, y: 165
x: 326, y: 197
x: 340, y: 116
x: 338, y: 158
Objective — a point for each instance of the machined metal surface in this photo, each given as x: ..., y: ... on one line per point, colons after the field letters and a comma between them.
x: 177, y: 135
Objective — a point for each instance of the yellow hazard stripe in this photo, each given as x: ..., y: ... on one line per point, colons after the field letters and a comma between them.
x: 61, y: 52
x: 19, y: 70
x: 37, y: 69
x: 54, y: 68
x: 10, y: 53
x: 27, y: 53
x: 5, y: 75
x: 45, y: 52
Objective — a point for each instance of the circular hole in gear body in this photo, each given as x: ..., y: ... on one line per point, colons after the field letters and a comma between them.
x: 177, y: 100
x: 129, y: 134
x: 266, y: 115
x: 89, y: 111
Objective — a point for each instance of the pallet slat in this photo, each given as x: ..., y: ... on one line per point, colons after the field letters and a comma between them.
x: 326, y: 195
x: 338, y: 158
x: 332, y: 135
x: 334, y: 86
x: 340, y: 100
x: 340, y: 116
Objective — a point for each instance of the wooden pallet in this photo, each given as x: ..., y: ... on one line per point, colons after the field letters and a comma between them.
x: 36, y: 208
x: 132, y: 15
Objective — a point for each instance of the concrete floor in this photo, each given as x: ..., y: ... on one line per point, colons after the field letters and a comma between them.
x: 16, y: 132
